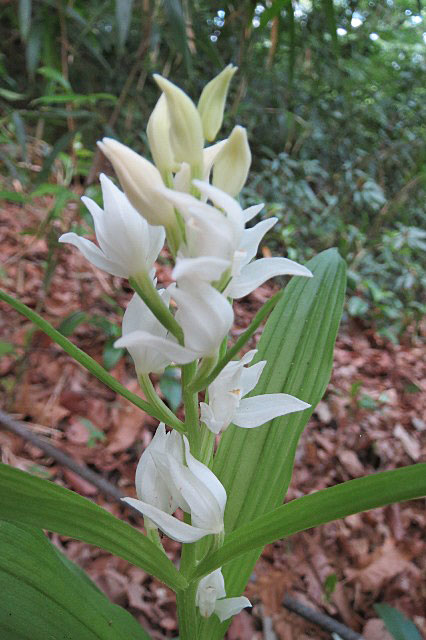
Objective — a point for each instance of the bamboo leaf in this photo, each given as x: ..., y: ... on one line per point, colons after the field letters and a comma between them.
x: 32, y: 501
x: 44, y: 594
x: 123, y: 16
x: 396, y: 623
x: 330, y: 16
x: 255, y: 465
x: 24, y: 18
x: 354, y: 496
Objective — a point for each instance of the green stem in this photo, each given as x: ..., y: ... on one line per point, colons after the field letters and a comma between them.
x: 187, y: 613
x: 83, y: 358
x: 190, y: 400
x: 234, y: 350
x: 146, y: 290
x: 204, y: 370
x: 152, y: 396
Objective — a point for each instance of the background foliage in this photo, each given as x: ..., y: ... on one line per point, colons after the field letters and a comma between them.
x: 332, y: 93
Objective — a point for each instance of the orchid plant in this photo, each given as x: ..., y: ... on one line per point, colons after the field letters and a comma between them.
x: 212, y: 480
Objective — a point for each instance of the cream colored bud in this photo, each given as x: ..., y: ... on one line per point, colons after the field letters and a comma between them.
x: 158, y: 131
x: 212, y: 102
x: 232, y: 164
x: 186, y: 131
x: 140, y: 180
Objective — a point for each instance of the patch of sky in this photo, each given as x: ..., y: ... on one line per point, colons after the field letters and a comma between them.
x: 374, y: 36
x: 341, y: 31
x: 357, y: 19
x: 256, y: 22
x: 259, y: 9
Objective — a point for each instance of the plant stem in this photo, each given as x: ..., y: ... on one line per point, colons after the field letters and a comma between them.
x: 168, y: 416
x: 190, y: 400
x: 260, y: 316
x: 187, y: 613
x: 146, y: 290
x: 83, y: 358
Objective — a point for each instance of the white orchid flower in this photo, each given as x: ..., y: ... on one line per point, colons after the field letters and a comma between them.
x: 211, y: 104
x: 190, y: 485
x: 140, y: 180
x: 205, y: 316
x: 128, y: 245
x: 150, y: 485
x: 213, y: 233
x: 158, y: 132
x: 211, y: 598
x: 232, y: 164
x: 138, y: 317
x: 247, y: 275
x: 182, y: 179
x: 227, y: 403
x: 186, y: 129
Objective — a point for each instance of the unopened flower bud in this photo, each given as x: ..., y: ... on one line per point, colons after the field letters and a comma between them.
x: 186, y: 132
x: 140, y: 180
x: 212, y: 102
x: 233, y: 162
x: 158, y: 131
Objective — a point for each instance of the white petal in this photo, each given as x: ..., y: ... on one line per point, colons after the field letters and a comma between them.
x: 139, y: 317
x: 175, y: 352
x: 258, y: 410
x: 205, y: 510
x: 204, y: 314
x: 228, y: 607
x: 172, y: 527
x: 209, y: 419
x: 209, y: 156
x: 252, y: 237
x: 250, y: 377
x: 93, y: 254
x: 204, y: 268
x: 251, y: 212
x: 257, y: 272
x: 207, y: 477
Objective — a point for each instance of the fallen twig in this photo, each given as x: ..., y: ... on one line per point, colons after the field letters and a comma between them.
x: 321, y: 619
x: 65, y: 460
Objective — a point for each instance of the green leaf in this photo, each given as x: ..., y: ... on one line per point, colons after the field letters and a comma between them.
x: 177, y: 24
x: 74, y: 98
x: 347, y: 498
x: 20, y: 133
x: 53, y: 74
x: 11, y: 95
x: 330, y: 17
x: 32, y: 50
x: 44, y: 595
x: 111, y: 356
x: 71, y: 322
x: 6, y: 348
x: 255, y: 465
x: 29, y: 500
x: 400, y: 627
x: 24, y: 18
x: 95, y: 434
x: 123, y: 16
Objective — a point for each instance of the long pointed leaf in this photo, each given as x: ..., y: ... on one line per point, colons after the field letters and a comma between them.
x: 255, y: 465
x: 354, y: 496
x: 32, y: 501
x: 45, y: 596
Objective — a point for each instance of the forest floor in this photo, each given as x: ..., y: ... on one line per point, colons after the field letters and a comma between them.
x: 371, y: 419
